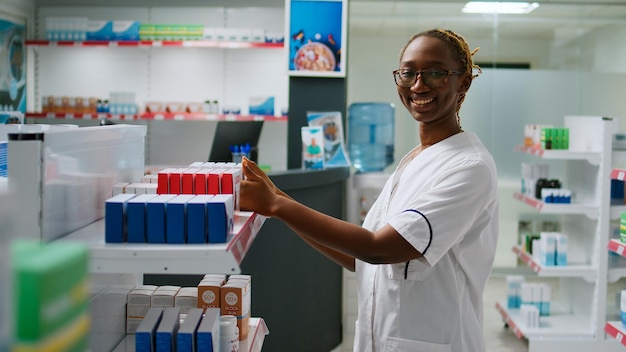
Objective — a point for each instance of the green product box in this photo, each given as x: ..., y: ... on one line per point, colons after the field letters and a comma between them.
x: 147, y: 32
x: 194, y: 32
x: 50, y: 287
x: 162, y: 32
x: 546, y: 138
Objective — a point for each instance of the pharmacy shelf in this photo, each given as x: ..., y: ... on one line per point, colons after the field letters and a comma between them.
x: 591, y: 211
x: 169, y: 258
x: 254, y: 342
x: 593, y: 158
x: 156, y: 116
x: 587, y: 272
x: 156, y: 44
x: 555, y: 326
x: 617, y: 330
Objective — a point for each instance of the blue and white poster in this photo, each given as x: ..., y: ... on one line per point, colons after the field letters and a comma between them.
x: 317, y: 37
x: 12, y: 66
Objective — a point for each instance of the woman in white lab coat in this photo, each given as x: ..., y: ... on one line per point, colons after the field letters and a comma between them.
x: 427, y: 245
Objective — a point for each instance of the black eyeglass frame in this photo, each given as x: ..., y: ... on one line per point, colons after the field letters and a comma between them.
x: 396, y: 74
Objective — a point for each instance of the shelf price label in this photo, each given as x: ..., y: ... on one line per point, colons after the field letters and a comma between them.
x: 620, y: 250
x: 159, y: 117
x: 619, y: 337
x: 179, y: 117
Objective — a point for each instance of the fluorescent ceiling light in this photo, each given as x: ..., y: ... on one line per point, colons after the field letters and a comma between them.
x: 499, y: 7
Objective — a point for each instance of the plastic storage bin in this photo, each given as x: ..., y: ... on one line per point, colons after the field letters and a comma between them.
x: 371, y: 135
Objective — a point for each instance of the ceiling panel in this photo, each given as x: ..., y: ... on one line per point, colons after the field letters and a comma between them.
x: 392, y: 17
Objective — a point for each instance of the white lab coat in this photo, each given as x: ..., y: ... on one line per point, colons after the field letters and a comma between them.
x: 444, y: 203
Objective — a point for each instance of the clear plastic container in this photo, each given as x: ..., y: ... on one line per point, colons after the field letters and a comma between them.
x: 371, y: 135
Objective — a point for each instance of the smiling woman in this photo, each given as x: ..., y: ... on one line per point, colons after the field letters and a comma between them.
x: 561, y: 59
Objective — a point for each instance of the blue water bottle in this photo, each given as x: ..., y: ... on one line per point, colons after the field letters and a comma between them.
x: 371, y: 135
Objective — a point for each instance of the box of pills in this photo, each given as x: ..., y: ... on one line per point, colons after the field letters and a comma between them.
x: 209, y: 292
x: 235, y: 300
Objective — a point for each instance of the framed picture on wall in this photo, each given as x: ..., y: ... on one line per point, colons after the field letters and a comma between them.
x: 316, y: 37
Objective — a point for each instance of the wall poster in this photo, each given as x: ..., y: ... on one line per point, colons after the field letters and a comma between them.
x: 12, y: 65
x: 316, y: 37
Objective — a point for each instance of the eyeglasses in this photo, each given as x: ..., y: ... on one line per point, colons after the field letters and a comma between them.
x: 434, y: 78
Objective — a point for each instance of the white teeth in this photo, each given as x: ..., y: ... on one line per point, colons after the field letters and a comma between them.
x: 422, y: 101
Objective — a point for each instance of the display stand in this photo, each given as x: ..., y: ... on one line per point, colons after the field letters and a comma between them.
x: 578, y: 317
x: 46, y: 168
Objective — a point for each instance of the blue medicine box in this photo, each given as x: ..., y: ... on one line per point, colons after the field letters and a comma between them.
x: 176, y: 231
x: 261, y: 105
x: 156, y: 218
x: 114, y: 218
x: 145, y: 336
x: 186, y: 335
x: 220, y: 210
x: 136, y: 218
x: 125, y: 30
x: 208, y: 335
x: 166, y: 332
x: 197, y: 222
x: 99, y: 30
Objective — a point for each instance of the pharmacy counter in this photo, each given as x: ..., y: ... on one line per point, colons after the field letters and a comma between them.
x: 296, y: 289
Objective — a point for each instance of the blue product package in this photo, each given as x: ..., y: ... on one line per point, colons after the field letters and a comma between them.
x: 145, y: 336
x: 167, y: 330
x: 99, y: 30
x: 136, y: 218
x: 114, y: 218
x: 220, y: 212
x: 197, y: 219
x: 261, y: 106
x: 125, y: 30
x: 155, y: 218
x: 208, y: 334
x: 175, y: 229
x: 186, y: 337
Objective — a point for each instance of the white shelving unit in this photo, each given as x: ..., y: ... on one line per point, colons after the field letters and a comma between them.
x: 578, y: 315
x: 228, y: 71
x: 50, y: 171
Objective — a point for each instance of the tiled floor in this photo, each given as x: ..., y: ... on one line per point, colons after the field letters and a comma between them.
x: 497, y: 337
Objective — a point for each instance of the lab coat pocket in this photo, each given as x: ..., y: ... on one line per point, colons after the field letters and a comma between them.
x: 394, y: 344
x: 414, y: 270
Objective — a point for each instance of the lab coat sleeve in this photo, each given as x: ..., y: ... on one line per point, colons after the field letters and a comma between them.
x: 438, y: 218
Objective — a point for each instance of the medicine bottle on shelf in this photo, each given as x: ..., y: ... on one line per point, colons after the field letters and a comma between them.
x: 229, y: 334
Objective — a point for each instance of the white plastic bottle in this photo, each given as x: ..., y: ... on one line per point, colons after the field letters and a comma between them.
x: 229, y: 334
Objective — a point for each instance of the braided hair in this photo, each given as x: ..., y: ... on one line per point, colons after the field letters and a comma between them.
x: 460, y: 47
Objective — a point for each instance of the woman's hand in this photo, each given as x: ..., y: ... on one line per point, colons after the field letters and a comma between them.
x: 257, y: 193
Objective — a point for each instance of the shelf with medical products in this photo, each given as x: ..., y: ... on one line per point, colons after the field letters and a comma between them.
x: 577, y: 314
x: 166, y: 116
x: 233, y: 70
x: 156, y: 44
x: 63, y: 178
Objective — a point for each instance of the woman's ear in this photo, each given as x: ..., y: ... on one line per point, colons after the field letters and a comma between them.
x: 465, y: 85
